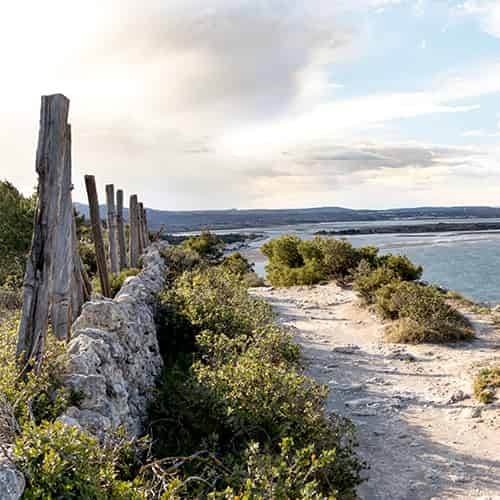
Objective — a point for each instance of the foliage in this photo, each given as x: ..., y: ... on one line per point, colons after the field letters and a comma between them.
x: 115, y: 280
x: 32, y: 396
x: 234, y: 395
x: 402, y: 267
x: 422, y: 314
x: 60, y: 461
x: 367, y: 281
x: 86, y: 250
x: 207, y: 245
x: 238, y: 265
x: 217, y: 300
x: 293, y: 261
x: 486, y: 384
x: 16, y: 229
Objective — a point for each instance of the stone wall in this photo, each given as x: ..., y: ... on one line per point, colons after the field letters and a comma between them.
x: 114, y: 358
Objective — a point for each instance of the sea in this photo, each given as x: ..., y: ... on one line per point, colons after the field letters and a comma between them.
x: 466, y: 262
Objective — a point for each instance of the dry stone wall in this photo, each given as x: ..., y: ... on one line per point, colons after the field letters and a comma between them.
x: 114, y: 358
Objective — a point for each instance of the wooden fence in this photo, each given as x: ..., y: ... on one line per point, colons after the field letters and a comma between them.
x: 56, y: 284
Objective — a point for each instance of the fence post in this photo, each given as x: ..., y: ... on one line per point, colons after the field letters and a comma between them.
x: 64, y: 253
x: 146, y: 228
x: 50, y: 158
x: 95, y: 220
x: 113, y: 250
x: 122, y: 247
x: 140, y: 214
x: 134, y: 232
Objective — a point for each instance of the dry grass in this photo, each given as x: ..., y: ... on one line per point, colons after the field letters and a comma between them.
x: 487, y: 384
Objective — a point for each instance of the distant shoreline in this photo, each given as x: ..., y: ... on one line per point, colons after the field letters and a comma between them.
x: 439, y: 227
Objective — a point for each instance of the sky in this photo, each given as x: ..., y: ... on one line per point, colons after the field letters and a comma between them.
x: 197, y: 104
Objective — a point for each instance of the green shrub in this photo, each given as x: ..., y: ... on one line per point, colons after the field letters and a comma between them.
x: 239, y: 265
x: 179, y: 260
x: 237, y: 381
x: 339, y: 257
x: 402, y: 266
x: 207, y: 245
x: 296, y: 262
x: 60, y: 461
x: 367, y: 281
x: 293, y: 473
x: 218, y: 300
x: 29, y: 396
x: 115, y: 280
x: 16, y: 230
x: 423, y: 315
x: 486, y: 384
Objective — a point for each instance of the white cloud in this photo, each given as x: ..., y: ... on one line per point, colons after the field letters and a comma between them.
x: 487, y: 12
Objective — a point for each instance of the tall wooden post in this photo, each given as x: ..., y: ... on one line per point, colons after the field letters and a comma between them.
x: 52, y: 144
x: 113, y: 250
x: 140, y: 215
x: 95, y: 220
x: 122, y: 248
x: 146, y: 227
x: 64, y: 253
x: 134, y: 232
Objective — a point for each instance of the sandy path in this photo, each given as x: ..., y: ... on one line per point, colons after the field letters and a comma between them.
x: 421, y: 433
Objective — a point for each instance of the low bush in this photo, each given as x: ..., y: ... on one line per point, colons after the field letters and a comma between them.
x: 232, y: 400
x: 60, y: 461
x: 238, y: 265
x: 115, y: 280
x: 421, y: 314
x: 487, y: 384
x: 28, y: 397
x: 367, y: 281
x: 293, y: 261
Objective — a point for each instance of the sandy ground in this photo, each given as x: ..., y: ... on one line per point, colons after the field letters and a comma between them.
x: 419, y: 428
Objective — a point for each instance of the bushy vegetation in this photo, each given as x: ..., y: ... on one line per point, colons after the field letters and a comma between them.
x: 487, y: 384
x: 421, y: 314
x: 293, y: 261
x: 236, y: 402
x: 235, y: 415
x: 16, y: 227
x: 115, y: 280
x: 63, y: 462
x: 203, y: 251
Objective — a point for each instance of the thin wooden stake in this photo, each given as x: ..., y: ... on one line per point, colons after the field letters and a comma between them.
x: 134, y: 232
x: 113, y: 250
x: 122, y: 248
x: 95, y: 221
x: 52, y: 144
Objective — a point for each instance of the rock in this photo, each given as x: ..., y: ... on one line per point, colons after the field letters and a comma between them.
x: 457, y: 397
x: 346, y: 349
x: 12, y: 482
x: 114, y: 357
x: 472, y: 412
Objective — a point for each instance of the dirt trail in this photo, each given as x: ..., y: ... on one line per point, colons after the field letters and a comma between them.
x: 420, y: 431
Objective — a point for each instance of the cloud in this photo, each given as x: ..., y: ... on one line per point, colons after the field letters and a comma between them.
x: 487, y: 12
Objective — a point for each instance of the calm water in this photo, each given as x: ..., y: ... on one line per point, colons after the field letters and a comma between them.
x: 466, y: 262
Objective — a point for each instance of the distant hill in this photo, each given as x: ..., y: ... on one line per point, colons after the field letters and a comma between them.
x: 196, y: 220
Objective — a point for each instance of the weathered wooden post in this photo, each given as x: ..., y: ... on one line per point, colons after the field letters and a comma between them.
x: 95, y: 220
x: 134, y: 232
x: 113, y: 250
x: 81, y: 286
x: 50, y: 160
x: 122, y: 248
x: 146, y: 228
x: 64, y: 253
x: 140, y: 214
